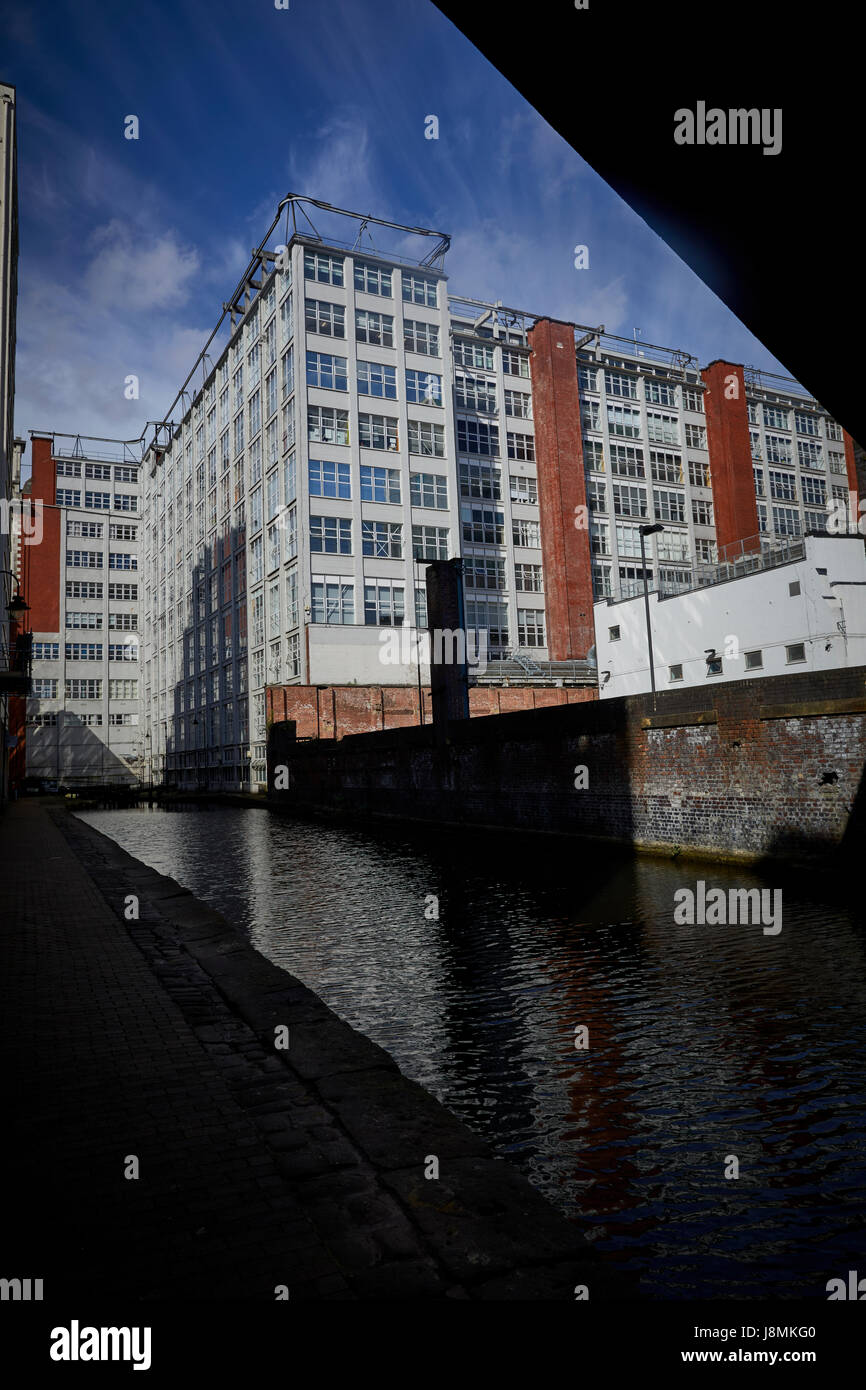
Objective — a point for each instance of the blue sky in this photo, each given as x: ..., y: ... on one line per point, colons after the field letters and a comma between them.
x: 128, y: 248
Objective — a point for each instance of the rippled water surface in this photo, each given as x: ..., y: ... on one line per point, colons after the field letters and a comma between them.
x: 705, y: 1042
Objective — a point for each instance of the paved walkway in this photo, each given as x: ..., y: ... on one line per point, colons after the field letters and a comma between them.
x: 153, y: 1040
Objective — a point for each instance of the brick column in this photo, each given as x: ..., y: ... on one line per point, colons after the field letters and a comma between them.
x: 561, y: 488
x: 734, y: 502
x: 40, y: 564
x: 851, y: 466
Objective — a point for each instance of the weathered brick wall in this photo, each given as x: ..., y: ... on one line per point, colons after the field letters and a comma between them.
x: 335, y: 711
x: 768, y: 767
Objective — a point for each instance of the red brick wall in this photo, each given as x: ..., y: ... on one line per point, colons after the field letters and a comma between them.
x: 851, y: 466
x: 561, y: 488
x: 734, y: 502
x: 40, y: 564
x: 333, y: 711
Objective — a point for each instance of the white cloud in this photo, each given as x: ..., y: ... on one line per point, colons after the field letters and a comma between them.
x: 131, y: 271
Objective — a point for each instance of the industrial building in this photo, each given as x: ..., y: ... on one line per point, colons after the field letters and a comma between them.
x: 352, y: 418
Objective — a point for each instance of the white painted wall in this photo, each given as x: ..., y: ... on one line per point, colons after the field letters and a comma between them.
x: 754, y: 613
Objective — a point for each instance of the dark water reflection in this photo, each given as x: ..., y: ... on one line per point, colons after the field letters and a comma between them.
x: 704, y: 1041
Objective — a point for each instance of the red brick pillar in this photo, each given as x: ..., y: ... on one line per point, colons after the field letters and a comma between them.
x: 561, y: 488
x: 40, y: 564
x: 734, y: 502
x: 851, y: 466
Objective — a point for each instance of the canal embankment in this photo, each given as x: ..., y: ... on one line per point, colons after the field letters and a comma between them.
x: 744, y: 771
x: 188, y: 1120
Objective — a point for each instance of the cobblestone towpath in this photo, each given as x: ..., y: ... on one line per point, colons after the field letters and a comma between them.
x: 159, y: 1144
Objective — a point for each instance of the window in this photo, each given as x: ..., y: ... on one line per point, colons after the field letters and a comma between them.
x: 423, y: 388
x: 43, y: 720
x: 814, y: 494
x: 331, y: 535
x: 755, y: 440
x: 327, y: 270
x: 382, y: 539
x: 45, y: 688
x: 377, y: 379
x: 696, y: 437
x: 632, y: 579
x: 97, y: 501
x: 122, y: 651
x: 430, y: 542
x: 48, y: 651
x: 97, y: 470
x: 118, y: 591
x: 599, y: 536
x: 615, y: 384
x: 629, y: 500
x: 528, y: 579
x: 675, y: 672
x: 521, y: 446
x: 293, y: 655
x: 669, y: 506
x: 673, y: 545
x: 699, y: 474
x: 693, y: 399
x: 374, y: 328
x: 778, y: 449
x: 320, y: 316
x: 786, y: 521
x: 422, y: 337
x: 590, y: 418
x: 601, y: 581
x: 68, y: 497
x: 624, y: 420
x: 664, y: 429
x: 328, y: 479
x: 83, y: 689
x: 714, y: 666
x: 518, y: 404
x: 515, y: 363
x: 806, y: 422
x: 384, y: 604
x: 327, y: 371
x: 468, y: 354
x: 119, y: 532
x: 84, y: 559
x: 702, y: 512
x: 614, y: 633
x: 373, y: 279
x: 478, y: 437
x: 810, y: 455
x: 429, y: 490
x: 775, y: 418
x: 426, y: 439
x: 327, y: 424
x: 482, y: 480
x: 122, y: 622
x: 523, y: 489
x: 665, y: 467
x: 92, y: 529
x: 417, y: 289
x: 794, y: 588
x: 68, y: 470
x: 659, y: 393
x: 627, y: 540
x: 490, y: 616
x: 378, y: 432
x: 834, y: 431
x: 754, y: 660
x: 80, y: 588
x: 526, y: 533
x: 627, y: 461
x: 795, y: 652
x: 75, y: 619
x: 587, y: 378
x: 475, y: 393
x: 379, y: 484
x: 530, y: 627
x: 783, y: 485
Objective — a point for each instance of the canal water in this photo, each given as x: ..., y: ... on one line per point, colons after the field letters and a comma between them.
x: 474, y: 959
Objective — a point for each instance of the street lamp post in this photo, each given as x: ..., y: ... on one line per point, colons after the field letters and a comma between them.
x: 648, y: 531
